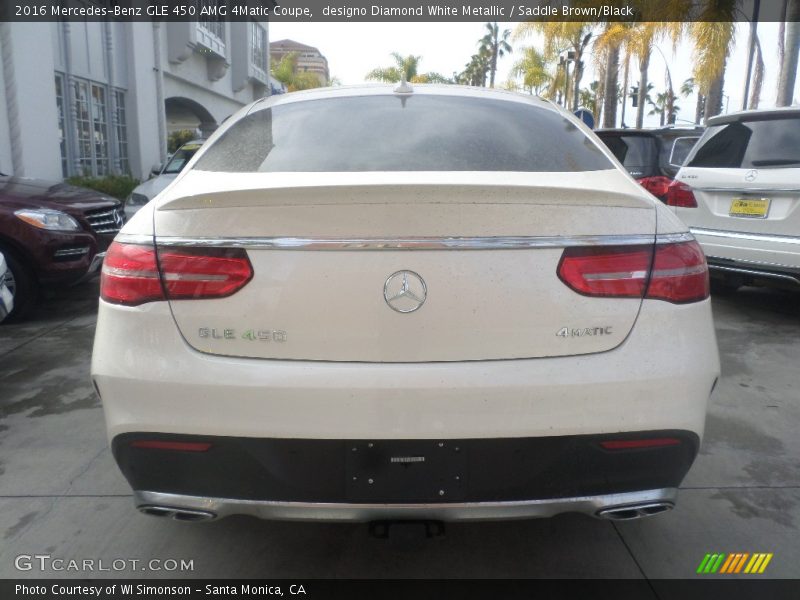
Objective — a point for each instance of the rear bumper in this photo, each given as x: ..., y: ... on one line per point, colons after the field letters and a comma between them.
x: 153, y: 384
x: 774, y: 257
x: 402, y: 472
x: 623, y: 506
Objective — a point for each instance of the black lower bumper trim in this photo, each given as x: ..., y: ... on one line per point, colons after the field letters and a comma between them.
x: 403, y: 471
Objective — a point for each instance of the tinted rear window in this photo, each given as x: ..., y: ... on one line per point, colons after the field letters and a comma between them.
x: 633, y: 150
x: 769, y: 143
x: 180, y: 158
x: 390, y: 133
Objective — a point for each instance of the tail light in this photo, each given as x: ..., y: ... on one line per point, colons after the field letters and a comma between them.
x: 680, y: 194
x: 131, y: 274
x: 675, y: 272
x: 658, y: 185
x: 680, y: 273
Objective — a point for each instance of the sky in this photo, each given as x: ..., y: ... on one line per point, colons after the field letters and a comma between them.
x: 353, y: 49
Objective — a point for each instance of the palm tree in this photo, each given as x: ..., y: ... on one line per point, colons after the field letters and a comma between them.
x: 788, y: 74
x: 713, y: 34
x: 405, y: 69
x: 607, y: 52
x: 476, y: 70
x: 532, y: 68
x: 687, y: 89
x: 639, y: 42
x: 590, y: 98
x: 758, y: 76
x: 497, y: 46
x: 664, y: 106
x: 285, y: 71
x: 558, y: 36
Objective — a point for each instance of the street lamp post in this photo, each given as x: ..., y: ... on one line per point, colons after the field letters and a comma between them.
x: 564, y: 62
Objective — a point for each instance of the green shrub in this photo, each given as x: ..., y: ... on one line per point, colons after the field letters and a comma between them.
x: 176, y: 139
x: 119, y: 186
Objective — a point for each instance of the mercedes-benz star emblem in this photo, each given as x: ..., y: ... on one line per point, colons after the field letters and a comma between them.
x: 405, y: 291
x: 751, y: 175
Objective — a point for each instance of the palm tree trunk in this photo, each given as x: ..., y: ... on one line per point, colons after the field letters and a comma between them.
x: 788, y: 74
x: 698, y: 108
x: 714, y: 97
x: 494, y: 64
x: 644, y: 64
x: 758, y: 77
x: 782, y: 36
x: 611, y: 98
x: 624, y: 92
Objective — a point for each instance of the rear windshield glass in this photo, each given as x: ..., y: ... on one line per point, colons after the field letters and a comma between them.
x: 769, y: 143
x: 633, y: 150
x: 181, y: 157
x: 391, y: 133
x: 680, y: 150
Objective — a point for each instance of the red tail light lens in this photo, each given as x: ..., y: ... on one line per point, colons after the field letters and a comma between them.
x: 657, y: 185
x: 131, y: 275
x: 680, y: 194
x: 606, y: 270
x: 679, y: 273
x: 203, y: 272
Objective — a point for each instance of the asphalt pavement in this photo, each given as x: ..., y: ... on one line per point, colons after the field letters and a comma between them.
x: 62, y: 496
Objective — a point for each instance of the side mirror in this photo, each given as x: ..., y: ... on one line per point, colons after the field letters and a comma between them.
x: 155, y: 171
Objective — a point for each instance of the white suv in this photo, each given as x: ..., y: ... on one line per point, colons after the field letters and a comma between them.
x: 739, y: 192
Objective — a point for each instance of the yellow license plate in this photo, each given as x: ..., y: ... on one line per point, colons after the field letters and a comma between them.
x: 756, y: 208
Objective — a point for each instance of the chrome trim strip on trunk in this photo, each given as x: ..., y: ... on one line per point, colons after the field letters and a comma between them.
x: 409, y: 243
x: 738, y: 190
x: 755, y: 237
x: 265, y: 509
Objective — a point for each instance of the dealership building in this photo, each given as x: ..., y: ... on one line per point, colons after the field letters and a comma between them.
x: 98, y: 98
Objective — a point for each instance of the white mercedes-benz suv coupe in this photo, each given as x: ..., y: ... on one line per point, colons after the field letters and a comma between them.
x: 739, y: 192
x: 392, y: 303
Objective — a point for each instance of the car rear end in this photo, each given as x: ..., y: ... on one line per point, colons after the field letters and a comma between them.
x: 740, y: 194
x: 362, y: 305
x: 652, y: 157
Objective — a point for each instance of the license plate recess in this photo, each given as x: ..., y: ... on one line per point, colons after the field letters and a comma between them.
x: 387, y: 471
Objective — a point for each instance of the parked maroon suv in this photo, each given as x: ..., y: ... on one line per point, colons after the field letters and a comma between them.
x: 52, y: 233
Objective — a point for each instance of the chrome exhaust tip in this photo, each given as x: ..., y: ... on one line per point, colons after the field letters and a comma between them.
x: 634, y: 511
x: 176, y: 514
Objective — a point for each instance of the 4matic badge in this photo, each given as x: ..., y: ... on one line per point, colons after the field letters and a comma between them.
x: 253, y: 335
x: 567, y: 332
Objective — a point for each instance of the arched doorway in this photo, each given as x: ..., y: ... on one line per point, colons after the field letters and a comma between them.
x: 184, y: 113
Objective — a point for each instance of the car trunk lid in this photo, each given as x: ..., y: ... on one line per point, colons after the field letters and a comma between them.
x: 324, y: 253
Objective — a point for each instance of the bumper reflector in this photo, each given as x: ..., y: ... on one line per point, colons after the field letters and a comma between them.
x: 169, y: 445
x: 631, y: 444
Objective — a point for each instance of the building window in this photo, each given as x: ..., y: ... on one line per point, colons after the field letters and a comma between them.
x: 210, y: 20
x: 121, y: 125
x: 83, y: 127
x: 100, y: 130
x: 62, y: 133
x: 258, y: 46
x: 89, y: 127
